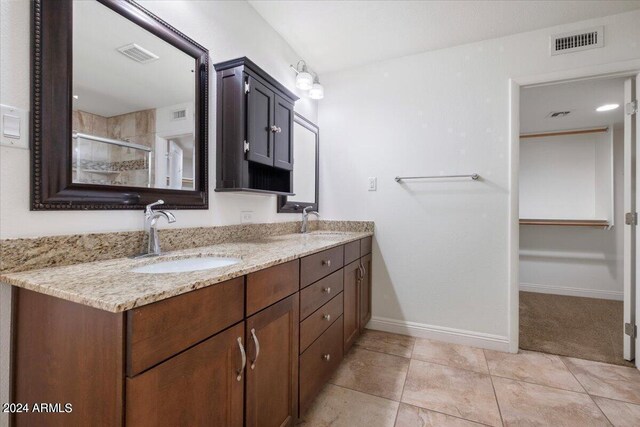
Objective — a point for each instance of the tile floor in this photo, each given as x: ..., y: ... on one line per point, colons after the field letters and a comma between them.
x: 390, y: 380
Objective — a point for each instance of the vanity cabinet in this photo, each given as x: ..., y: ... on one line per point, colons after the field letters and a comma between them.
x: 254, y: 130
x: 203, y: 383
x: 272, y: 365
x: 250, y: 351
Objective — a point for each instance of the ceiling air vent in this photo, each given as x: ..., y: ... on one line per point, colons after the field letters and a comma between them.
x: 558, y: 114
x: 576, y: 41
x: 138, y: 53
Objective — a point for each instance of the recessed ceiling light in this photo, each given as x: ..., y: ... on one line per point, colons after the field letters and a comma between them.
x: 607, y: 107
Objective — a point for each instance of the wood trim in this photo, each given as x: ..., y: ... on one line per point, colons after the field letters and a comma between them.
x: 52, y: 187
x: 567, y: 222
x: 564, y: 132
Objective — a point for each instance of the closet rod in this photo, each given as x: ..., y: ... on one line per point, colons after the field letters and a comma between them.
x: 564, y: 132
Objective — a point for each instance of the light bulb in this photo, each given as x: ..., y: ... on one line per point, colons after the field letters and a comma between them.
x: 304, y: 80
x: 316, y: 91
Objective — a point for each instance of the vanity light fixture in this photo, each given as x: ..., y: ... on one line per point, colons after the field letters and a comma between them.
x: 304, y: 79
x: 607, y: 107
x: 316, y: 91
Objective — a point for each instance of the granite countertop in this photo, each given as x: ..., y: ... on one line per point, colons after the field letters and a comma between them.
x: 112, y: 286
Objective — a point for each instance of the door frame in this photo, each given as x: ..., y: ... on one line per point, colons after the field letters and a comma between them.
x: 616, y: 69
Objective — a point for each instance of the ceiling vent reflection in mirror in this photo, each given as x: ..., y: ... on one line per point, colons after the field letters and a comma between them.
x: 138, y: 53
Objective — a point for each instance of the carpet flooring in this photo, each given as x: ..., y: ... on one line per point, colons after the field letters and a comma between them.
x: 586, y: 328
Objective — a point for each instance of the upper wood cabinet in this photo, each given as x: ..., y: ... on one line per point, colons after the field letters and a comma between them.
x: 254, y: 144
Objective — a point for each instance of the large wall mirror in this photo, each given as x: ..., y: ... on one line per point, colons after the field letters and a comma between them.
x: 120, y: 108
x: 306, y: 140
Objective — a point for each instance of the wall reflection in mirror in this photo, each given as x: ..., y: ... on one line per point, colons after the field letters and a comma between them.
x: 133, y: 104
x: 305, y: 167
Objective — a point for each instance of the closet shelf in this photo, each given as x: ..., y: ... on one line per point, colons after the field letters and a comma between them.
x: 599, y: 223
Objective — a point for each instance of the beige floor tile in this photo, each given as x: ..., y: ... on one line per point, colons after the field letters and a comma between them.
x: 399, y: 345
x: 534, y: 367
x: 340, y: 407
x: 453, y: 391
x: 621, y: 414
x: 372, y: 372
x: 535, y: 405
x: 458, y: 356
x: 602, y: 379
x: 412, y: 416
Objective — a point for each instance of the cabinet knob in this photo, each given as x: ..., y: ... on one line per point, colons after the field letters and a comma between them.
x: 276, y: 129
x: 326, y: 357
x: 326, y: 262
x: 327, y: 290
x: 327, y: 317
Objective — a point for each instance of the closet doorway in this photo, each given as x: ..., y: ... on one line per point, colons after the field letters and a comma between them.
x: 577, y: 181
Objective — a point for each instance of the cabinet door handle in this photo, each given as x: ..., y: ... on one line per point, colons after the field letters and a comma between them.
x: 326, y: 262
x: 257, y: 343
x: 327, y: 317
x: 244, y: 359
x: 327, y: 290
x: 326, y: 357
x: 276, y: 129
x: 360, y: 272
x: 364, y: 270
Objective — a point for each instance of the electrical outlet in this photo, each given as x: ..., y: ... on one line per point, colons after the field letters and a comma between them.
x: 246, y: 217
x: 373, y: 183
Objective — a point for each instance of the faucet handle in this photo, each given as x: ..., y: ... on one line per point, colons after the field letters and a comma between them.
x: 149, y: 208
x: 306, y: 210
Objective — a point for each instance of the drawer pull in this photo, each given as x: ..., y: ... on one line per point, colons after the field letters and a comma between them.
x: 326, y: 357
x: 257, y: 343
x: 326, y: 290
x: 244, y: 359
x: 326, y: 262
x: 327, y: 317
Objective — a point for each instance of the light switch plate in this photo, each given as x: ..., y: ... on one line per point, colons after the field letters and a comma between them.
x: 373, y: 183
x: 14, y: 127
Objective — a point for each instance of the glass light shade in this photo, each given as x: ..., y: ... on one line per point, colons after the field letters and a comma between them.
x: 304, y: 80
x: 316, y: 91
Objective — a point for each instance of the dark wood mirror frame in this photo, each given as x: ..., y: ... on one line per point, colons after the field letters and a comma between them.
x: 288, y: 206
x: 51, y: 119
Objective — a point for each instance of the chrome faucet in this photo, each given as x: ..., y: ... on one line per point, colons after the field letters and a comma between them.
x: 305, y: 218
x: 151, y: 217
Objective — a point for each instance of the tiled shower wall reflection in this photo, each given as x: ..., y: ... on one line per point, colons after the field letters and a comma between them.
x: 100, y: 163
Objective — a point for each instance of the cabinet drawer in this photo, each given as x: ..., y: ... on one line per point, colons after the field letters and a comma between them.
x: 315, y: 296
x: 268, y: 286
x: 317, y: 266
x: 351, y: 252
x: 315, y: 367
x: 318, y: 322
x: 157, y: 331
x: 365, y: 246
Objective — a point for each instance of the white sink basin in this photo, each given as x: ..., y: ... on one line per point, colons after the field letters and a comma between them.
x: 186, y: 265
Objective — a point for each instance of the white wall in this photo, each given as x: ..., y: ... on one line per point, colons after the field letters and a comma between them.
x: 227, y: 29
x: 576, y: 260
x: 566, y: 177
x: 441, y: 259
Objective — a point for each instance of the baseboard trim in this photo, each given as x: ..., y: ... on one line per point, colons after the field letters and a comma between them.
x: 440, y: 333
x: 574, y: 292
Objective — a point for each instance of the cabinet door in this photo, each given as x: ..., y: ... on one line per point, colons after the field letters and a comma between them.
x: 260, y: 101
x: 194, y: 388
x: 283, y: 137
x: 351, y: 313
x: 272, y: 365
x: 365, y: 292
